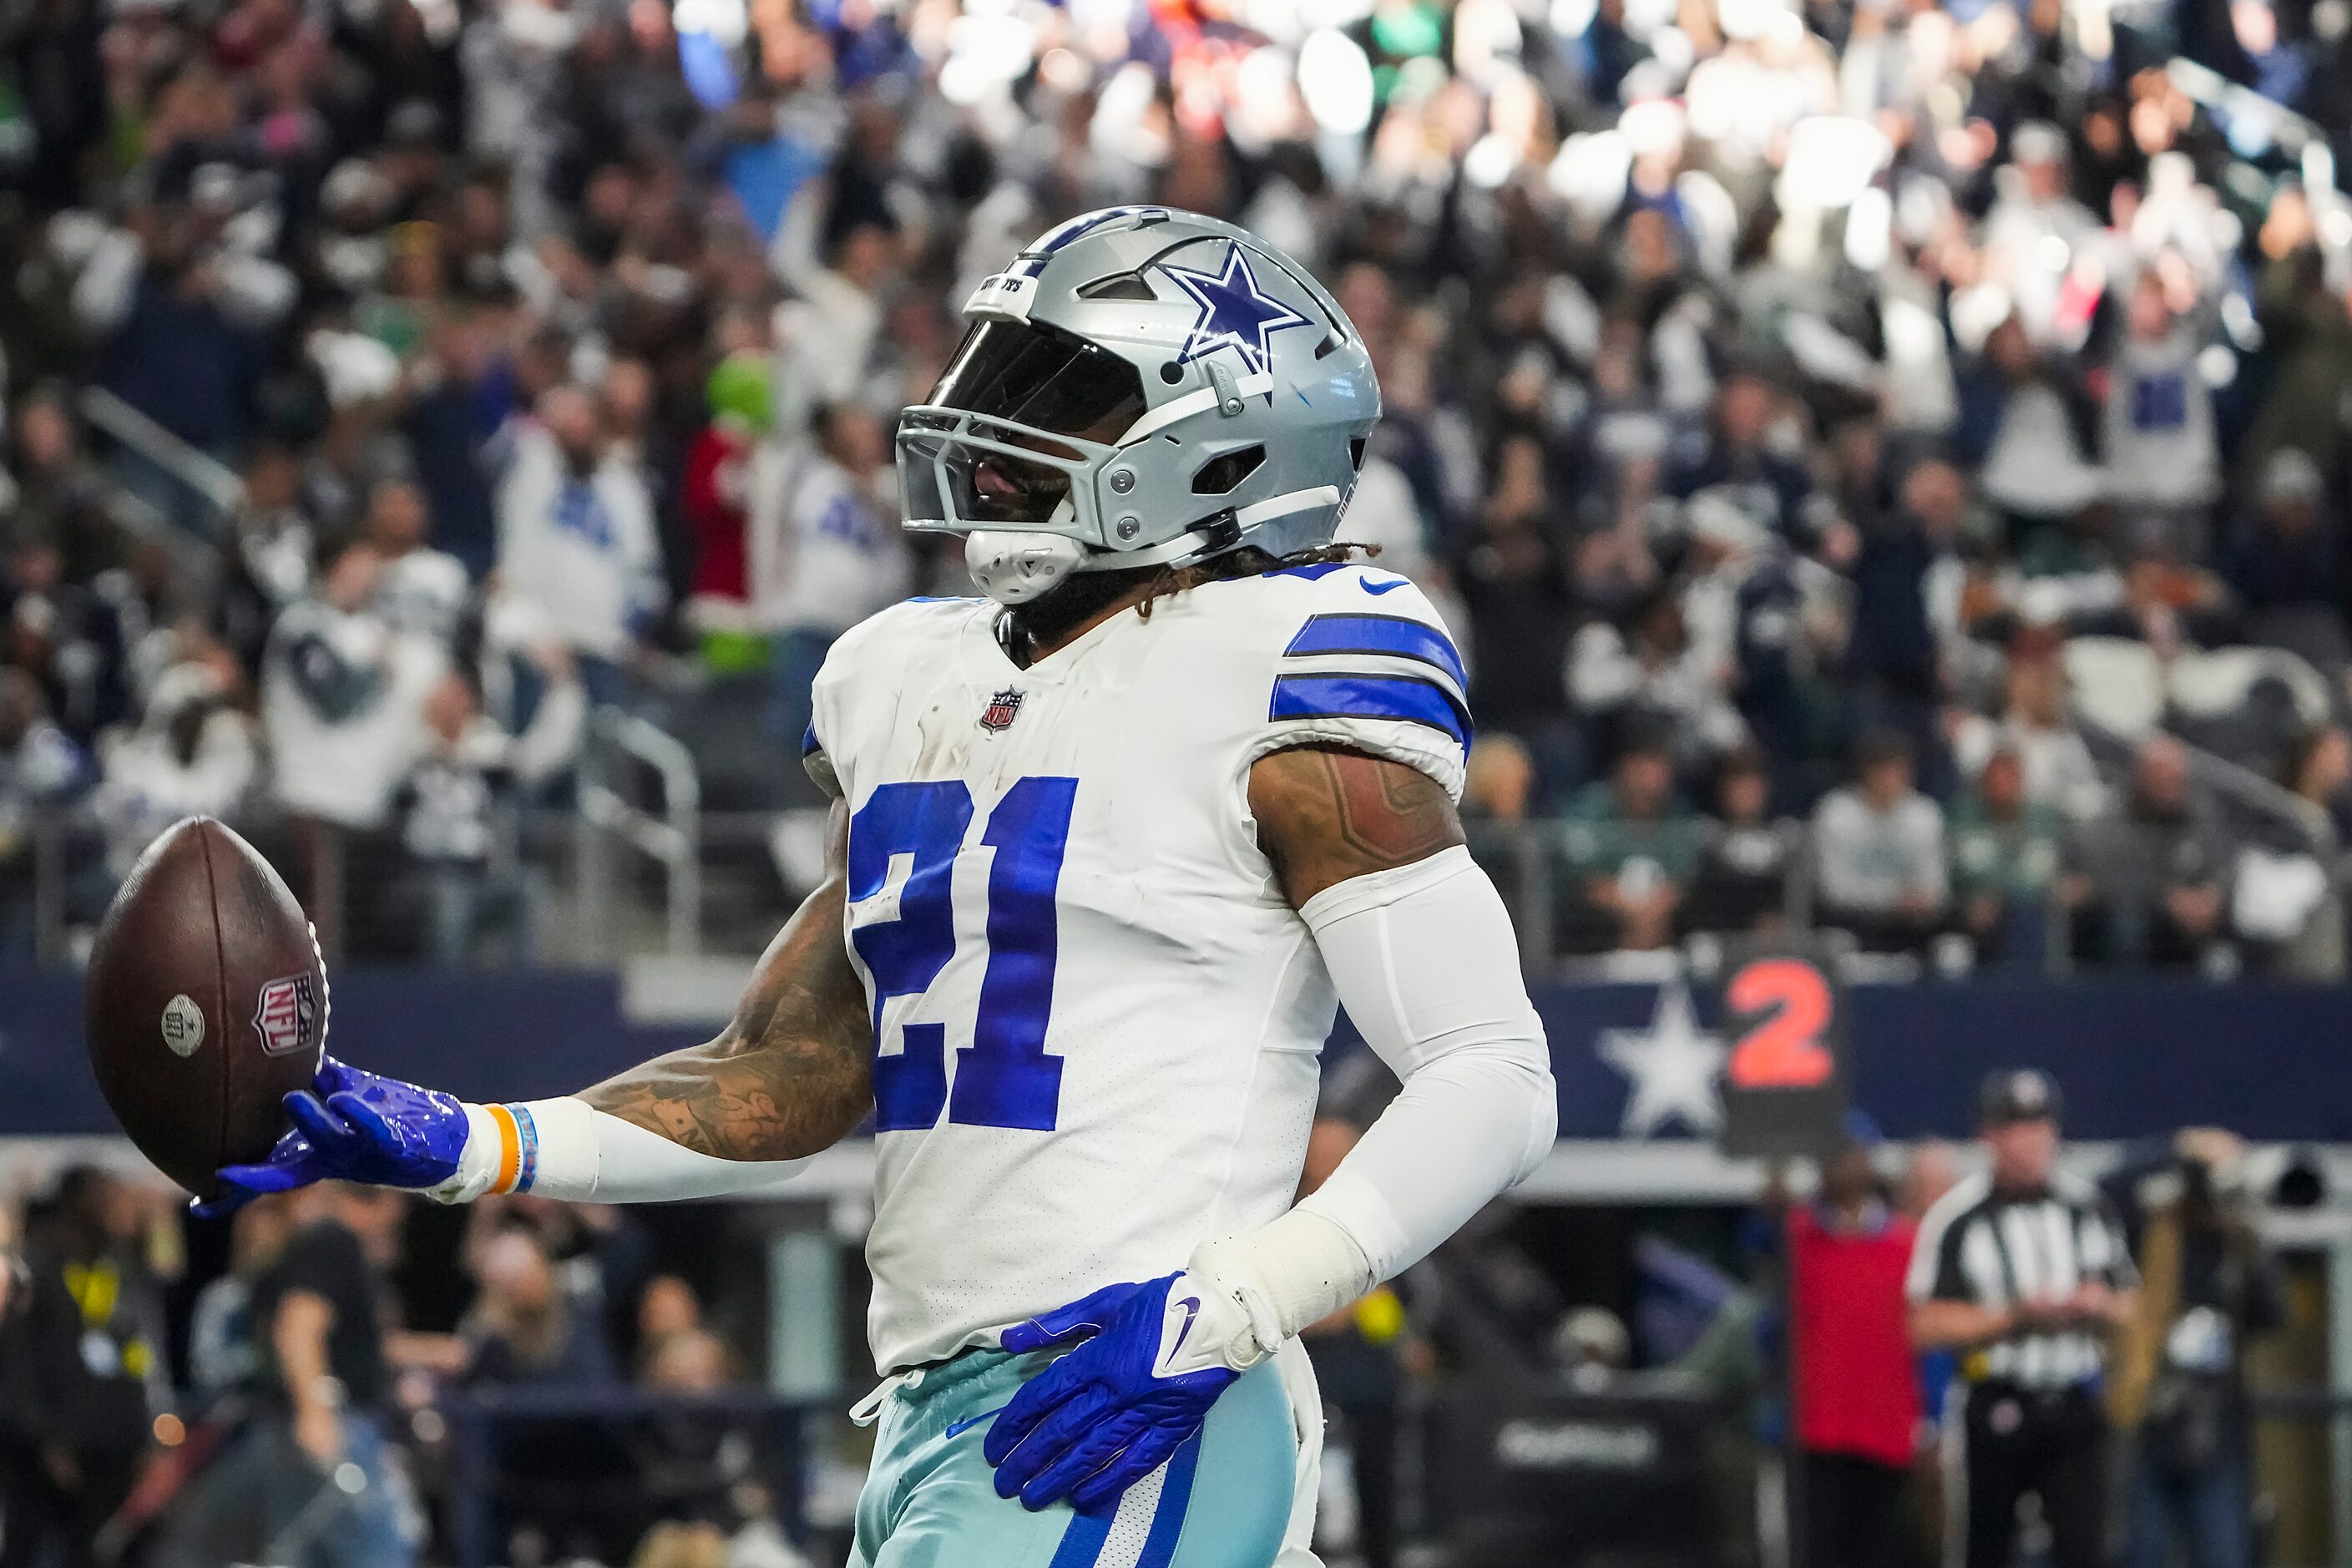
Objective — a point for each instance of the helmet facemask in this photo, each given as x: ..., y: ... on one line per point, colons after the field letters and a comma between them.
x: 1016, y: 433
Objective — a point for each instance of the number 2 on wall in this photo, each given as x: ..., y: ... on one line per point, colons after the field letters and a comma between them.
x: 1004, y: 1079
x: 1782, y: 1049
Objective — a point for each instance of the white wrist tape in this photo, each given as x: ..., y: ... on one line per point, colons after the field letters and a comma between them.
x: 491, y: 1160
x: 567, y: 1149
x: 1283, y: 1277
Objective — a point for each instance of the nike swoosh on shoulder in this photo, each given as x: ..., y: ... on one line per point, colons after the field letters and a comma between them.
x: 1388, y: 586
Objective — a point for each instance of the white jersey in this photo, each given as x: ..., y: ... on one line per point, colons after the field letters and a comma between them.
x: 1097, y: 1020
x: 2158, y: 426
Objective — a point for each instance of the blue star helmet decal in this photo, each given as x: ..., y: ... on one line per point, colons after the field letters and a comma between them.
x: 1234, y: 314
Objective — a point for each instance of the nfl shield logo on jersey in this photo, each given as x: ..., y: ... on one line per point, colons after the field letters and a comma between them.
x: 287, y: 1015
x: 1001, y: 710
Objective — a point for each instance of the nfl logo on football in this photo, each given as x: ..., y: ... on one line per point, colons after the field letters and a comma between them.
x: 287, y: 1015
x: 1001, y: 710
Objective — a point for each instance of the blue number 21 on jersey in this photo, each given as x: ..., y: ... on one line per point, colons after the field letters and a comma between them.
x: 1004, y: 1079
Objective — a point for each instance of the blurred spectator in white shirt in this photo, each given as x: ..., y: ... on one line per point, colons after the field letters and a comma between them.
x: 576, y: 537
x: 826, y: 337
x: 2035, y: 726
x: 1878, y: 851
x: 268, y: 554
x: 2033, y: 468
x: 2163, y: 466
x: 2036, y: 234
x: 1656, y: 669
x: 460, y: 825
x: 193, y: 754
x: 826, y: 551
x: 343, y: 699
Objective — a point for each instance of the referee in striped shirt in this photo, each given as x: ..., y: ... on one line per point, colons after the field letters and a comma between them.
x: 2022, y: 1272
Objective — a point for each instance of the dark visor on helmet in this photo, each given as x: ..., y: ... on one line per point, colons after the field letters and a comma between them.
x: 1043, y: 379
x: 946, y: 480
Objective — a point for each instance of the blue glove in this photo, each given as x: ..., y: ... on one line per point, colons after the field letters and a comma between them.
x: 1113, y: 1410
x: 354, y: 1126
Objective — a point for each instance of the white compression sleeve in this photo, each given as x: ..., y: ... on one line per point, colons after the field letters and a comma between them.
x: 568, y: 1148
x: 1424, y: 959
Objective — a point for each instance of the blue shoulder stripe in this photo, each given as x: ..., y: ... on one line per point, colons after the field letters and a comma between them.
x: 1400, y: 636
x: 809, y: 743
x: 1404, y: 698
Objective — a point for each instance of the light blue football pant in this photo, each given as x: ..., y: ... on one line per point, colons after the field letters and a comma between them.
x: 1240, y: 1494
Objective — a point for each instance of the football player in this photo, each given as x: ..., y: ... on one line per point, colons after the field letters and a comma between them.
x: 1107, y: 845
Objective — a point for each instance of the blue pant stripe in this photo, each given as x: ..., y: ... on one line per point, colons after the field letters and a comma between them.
x: 1175, y: 1500
x: 1083, y: 1541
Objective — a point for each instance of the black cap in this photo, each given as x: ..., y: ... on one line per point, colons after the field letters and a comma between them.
x: 2020, y: 1094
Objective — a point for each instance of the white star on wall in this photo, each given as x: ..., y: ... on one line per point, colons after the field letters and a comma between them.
x: 1673, y: 1066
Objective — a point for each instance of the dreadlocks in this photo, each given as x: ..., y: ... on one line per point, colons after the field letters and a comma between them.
x: 1025, y: 627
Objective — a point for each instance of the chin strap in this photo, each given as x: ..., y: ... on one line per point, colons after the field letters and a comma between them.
x: 1015, y: 568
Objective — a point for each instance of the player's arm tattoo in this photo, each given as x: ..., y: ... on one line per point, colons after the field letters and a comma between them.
x: 1324, y: 815
x: 793, y: 1074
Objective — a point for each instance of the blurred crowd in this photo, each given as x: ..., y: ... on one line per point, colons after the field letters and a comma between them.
x: 161, y: 1405
x: 1916, y: 425
x: 294, y: 1387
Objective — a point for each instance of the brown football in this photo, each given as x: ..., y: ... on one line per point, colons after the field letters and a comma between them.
x: 206, y: 1002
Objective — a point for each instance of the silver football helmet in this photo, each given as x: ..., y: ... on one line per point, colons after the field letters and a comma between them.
x: 1141, y: 387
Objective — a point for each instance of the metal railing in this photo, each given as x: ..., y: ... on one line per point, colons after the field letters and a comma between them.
x: 616, y: 828
x: 620, y: 749
x: 2210, y: 90
x: 220, y: 490
x: 2319, y: 952
x: 637, y: 807
x: 211, y: 480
